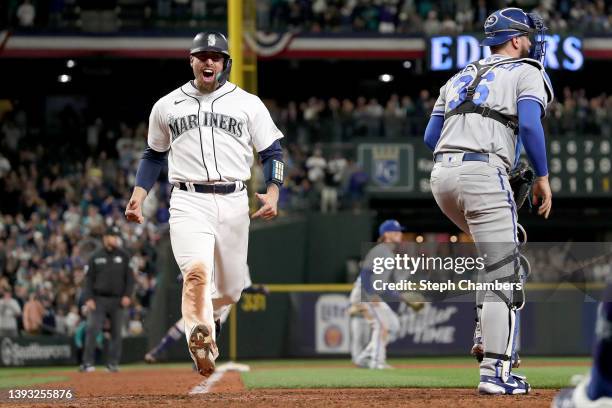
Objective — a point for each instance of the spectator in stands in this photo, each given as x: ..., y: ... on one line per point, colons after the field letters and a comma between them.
x: 5, y: 165
x: 333, y: 178
x: 393, y: 117
x: 432, y: 24
x: 26, y: 14
x: 9, y: 313
x: 33, y: 312
x: 346, y: 119
x: 374, y: 113
x: 315, y: 165
x: 357, y: 180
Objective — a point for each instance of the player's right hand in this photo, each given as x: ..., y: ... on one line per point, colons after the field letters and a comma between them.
x: 541, y: 191
x: 133, y: 212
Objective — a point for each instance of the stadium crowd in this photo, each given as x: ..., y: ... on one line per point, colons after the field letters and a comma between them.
x: 383, y: 16
x: 344, y: 120
x: 422, y: 16
x: 55, y: 204
x: 53, y: 211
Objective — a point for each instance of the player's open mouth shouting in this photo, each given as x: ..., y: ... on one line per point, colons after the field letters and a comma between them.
x: 208, y: 75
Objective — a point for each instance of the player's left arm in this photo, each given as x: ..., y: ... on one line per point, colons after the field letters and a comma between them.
x: 433, y: 131
x: 265, y: 137
x: 274, y: 168
x: 436, y: 121
x: 533, y: 95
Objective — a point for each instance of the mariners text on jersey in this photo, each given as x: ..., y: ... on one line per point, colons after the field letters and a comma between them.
x: 229, y: 124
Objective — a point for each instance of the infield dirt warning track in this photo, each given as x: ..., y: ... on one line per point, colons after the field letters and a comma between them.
x: 181, y: 387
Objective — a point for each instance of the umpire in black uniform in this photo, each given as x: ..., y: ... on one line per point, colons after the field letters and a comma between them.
x: 108, y: 288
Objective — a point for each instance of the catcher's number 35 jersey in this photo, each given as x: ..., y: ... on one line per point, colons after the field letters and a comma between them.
x: 500, y: 89
x: 210, y: 136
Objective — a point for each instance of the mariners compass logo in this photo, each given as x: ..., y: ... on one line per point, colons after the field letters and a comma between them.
x: 212, y: 40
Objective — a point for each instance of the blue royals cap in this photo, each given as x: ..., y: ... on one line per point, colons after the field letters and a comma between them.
x: 390, y: 226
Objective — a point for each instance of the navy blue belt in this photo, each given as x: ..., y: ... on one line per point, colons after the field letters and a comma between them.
x: 482, y: 157
x: 220, y: 188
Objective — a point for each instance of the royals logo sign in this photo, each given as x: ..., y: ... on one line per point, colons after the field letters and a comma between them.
x: 390, y: 166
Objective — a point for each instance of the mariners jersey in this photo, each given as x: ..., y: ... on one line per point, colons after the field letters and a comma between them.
x: 500, y: 89
x: 210, y: 136
x: 380, y: 251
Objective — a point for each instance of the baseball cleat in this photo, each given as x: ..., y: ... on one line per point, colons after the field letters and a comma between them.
x: 577, y: 398
x: 203, y: 349
x: 364, y: 363
x: 382, y: 366
x: 515, y: 385
x: 86, y: 368
x: 149, y: 358
x: 112, y: 368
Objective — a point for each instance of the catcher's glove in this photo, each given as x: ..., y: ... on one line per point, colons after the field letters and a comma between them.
x: 521, y: 179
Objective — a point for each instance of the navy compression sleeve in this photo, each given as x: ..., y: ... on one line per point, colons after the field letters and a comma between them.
x: 272, y: 162
x: 274, y: 151
x: 531, y: 134
x: 149, y: 167
x: 433, y: 131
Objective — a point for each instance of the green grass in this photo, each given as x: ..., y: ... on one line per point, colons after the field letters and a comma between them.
x: 340, y: 374
x: 24, y: 381
x: 428, y: 372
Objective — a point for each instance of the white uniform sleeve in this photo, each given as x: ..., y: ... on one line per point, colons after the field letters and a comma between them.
x: 440, y: 105
x: 531, y: 86
x: 262, y: 129
x: 159, y: 136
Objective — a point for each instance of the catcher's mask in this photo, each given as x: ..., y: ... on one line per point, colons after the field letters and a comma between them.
x: 213, y: 41
x: 508, y: 23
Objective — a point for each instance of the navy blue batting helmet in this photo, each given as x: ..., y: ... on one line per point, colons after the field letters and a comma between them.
x: 505, y: 24
x: 213, y: 41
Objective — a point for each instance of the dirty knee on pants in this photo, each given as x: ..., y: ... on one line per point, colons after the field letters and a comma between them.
x: 196, y: 299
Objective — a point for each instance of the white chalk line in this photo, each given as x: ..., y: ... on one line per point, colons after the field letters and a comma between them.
x: 206, y: 385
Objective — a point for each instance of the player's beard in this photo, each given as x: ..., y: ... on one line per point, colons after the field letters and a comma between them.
x: 525, y: 51
x: 207, y: 87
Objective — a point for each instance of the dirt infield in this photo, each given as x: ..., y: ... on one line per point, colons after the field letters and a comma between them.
x: 172, y: 386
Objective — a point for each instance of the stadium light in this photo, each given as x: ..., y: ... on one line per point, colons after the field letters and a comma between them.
x: 453, y: 238
x: 70, y: 63
x: 385, y: 78
x: 64, y: 78
x: 420, y: 239
x: 407, y: 64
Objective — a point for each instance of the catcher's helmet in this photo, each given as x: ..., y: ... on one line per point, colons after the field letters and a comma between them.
x: 505, y: 24
x: 213, y: 41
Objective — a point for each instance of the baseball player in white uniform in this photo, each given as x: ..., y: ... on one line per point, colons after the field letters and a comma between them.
x: 482, y: 117
x: 207, y: 128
